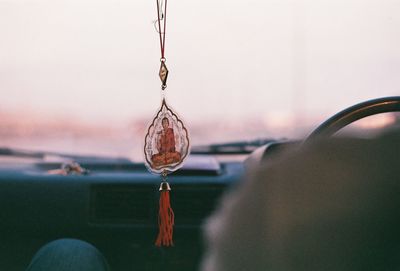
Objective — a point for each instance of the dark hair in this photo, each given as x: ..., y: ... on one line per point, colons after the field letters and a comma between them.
x: 164, y: 118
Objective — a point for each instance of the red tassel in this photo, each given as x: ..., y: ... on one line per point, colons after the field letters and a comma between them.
x: 165, y: 218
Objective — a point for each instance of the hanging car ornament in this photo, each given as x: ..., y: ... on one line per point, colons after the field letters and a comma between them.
x: 166, y: 143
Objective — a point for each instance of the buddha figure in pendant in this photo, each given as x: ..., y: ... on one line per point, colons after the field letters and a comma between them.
x: 166, y: 143
x: 167, y: 153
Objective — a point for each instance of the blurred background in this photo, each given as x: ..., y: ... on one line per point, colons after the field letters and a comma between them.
x: 82, y: 76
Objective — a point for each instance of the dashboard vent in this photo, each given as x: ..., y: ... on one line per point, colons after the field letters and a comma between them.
x: 195, y: 203
x: 121, y: 204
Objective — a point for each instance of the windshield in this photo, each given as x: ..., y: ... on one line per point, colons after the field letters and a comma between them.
x: 82, y: 76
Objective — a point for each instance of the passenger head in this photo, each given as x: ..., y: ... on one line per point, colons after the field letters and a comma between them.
x: 331, y: 206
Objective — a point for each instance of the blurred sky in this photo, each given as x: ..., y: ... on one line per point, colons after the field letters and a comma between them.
x: 276, y: 60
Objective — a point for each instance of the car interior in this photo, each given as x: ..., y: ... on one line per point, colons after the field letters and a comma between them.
x: 112, y: 205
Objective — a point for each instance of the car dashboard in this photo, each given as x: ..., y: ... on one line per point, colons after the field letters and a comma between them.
x: 114, y: 207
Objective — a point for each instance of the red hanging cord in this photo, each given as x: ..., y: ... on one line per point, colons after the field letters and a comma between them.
x: 162, y: 33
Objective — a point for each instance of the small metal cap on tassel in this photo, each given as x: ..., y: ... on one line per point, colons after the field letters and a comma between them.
x: 164, y: 186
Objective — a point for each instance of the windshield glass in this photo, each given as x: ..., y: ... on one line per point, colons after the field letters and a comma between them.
x: 82, y: 76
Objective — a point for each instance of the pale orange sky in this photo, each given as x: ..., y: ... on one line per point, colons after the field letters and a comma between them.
x: 98, y: 60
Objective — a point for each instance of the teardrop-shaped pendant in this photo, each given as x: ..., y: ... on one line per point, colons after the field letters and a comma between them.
x: 167, y: 141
